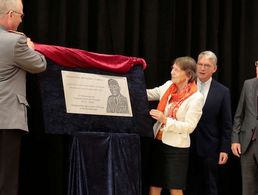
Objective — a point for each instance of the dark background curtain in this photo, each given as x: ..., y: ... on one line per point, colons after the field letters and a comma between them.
x: 156, y: 30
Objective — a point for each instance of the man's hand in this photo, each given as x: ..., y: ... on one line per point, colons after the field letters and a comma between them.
x: 30, y: 43
x: 223, y: 158
x: 236, y: 149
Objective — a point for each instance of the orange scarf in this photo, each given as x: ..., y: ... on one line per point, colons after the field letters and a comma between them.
x: 176, y: 99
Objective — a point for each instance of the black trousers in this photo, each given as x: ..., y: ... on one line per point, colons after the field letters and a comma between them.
x: 10, y: 143
x: 202, y: 175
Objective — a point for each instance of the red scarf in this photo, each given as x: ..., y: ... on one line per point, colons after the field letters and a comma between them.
x: 176, y: 99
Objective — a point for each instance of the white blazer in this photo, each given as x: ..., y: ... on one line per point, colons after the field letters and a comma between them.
x: 176, y: 132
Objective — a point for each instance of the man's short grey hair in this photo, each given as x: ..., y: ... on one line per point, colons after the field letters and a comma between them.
x: 210, y: 55
x: 6, y: 5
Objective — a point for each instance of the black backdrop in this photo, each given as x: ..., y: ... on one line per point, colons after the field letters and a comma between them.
x: 156, y: 30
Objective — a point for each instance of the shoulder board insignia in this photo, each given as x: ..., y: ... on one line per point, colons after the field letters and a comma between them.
x: 16, y: 32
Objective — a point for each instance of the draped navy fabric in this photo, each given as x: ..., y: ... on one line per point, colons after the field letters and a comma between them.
x: 57, y: 121
x: 105, y: 155
x: 105, y: 164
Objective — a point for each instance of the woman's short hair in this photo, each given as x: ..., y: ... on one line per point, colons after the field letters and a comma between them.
x: 188, y: 65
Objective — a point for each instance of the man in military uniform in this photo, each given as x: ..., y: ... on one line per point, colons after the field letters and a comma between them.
x: 116, y: 103
x: 17, y: 57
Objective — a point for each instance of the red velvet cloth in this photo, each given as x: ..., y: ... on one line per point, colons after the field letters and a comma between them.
x: 70, y: 57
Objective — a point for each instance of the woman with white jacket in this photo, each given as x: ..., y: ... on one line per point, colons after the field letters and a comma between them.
x: 177, y: 114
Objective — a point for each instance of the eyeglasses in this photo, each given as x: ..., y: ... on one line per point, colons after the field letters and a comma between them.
x: 206, y: 66
x: 256, y: 63
x: 21, y: 14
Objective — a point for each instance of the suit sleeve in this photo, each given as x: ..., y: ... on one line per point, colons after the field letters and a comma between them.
x: 28, y: 59
x: 238, y: 118
x: 226, y: 123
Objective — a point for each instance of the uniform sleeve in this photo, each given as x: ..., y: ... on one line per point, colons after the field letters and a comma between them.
x: 28, y: 59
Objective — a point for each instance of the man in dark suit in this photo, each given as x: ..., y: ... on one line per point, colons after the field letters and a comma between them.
x: 244, y: 142
x: 17, y: 57
x: 210, y: 141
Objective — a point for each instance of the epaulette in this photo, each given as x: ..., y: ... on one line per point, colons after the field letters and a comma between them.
x: 16, y: 32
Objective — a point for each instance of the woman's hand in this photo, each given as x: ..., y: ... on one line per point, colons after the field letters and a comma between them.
x: 158, y: 115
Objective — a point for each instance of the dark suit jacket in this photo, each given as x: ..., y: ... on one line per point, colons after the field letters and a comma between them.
x: 245, y: 117
x: 213, y: 132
